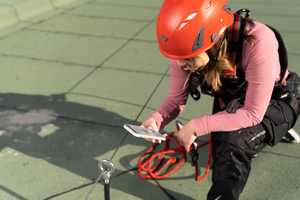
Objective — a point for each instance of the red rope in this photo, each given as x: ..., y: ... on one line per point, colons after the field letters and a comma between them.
x: 208, y: 161
x: 154, y: 172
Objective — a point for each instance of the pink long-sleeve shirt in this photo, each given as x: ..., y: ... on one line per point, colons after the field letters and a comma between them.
x: 260, y: 63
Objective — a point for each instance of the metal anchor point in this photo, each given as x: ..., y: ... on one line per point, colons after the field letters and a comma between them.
x: 108, y: 170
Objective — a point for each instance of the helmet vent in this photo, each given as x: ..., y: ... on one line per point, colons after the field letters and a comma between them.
x: 227, y: 8
x: 208, y: 5
x: 190, y: 17
x: 182, y: 25
x: 164, y: 38
x: 214, y: 37
x: 199, y: 39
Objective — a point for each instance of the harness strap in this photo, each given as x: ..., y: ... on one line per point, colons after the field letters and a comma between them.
x: 234, y: 52
x: 194, y: 92
x: 235, y: 46
x: 212, y: 57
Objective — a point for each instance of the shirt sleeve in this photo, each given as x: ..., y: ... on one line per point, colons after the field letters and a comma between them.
x: 173, y: 105
x: 260, y: 64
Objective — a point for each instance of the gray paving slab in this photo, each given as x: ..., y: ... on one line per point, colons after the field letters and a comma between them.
x: 24, y: 74
x: 132, y: 3
x: 22, y: 11
x: 92, y: 26
x: 56, y: 47
x: 275, y: 181
x: 111, y: 11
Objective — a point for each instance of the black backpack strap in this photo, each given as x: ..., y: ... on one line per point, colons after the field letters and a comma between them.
x: 283, y: 56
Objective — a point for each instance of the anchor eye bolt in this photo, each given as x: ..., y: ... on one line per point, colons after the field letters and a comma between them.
x: 108, y: 170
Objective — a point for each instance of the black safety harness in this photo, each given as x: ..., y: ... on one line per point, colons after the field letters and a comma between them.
x: 231, y: 94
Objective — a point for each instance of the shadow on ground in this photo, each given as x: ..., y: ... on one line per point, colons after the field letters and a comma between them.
x: 34, y: 126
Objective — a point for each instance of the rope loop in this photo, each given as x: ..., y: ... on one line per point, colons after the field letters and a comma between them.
x: 156, y: 172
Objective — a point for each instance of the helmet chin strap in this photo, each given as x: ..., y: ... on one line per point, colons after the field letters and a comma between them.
x: 212, y: 57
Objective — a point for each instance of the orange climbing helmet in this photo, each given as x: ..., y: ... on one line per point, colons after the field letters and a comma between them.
x: 186, y: 28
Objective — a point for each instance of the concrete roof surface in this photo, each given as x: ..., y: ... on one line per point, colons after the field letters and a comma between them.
x: 74, y: 71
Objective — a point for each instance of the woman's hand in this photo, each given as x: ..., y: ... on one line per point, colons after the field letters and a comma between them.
x: 151, y: 123
x: 187, y: 135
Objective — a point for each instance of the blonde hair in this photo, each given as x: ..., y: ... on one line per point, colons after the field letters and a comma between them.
x: 222, y: 62
x: 215, y: 69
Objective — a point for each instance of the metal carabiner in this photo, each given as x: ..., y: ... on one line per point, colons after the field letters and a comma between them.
x: 179, y: 125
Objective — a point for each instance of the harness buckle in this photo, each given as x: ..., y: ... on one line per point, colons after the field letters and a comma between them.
x: 194, y: 154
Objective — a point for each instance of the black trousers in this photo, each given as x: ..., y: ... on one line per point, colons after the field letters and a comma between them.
x: 232, y: 153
